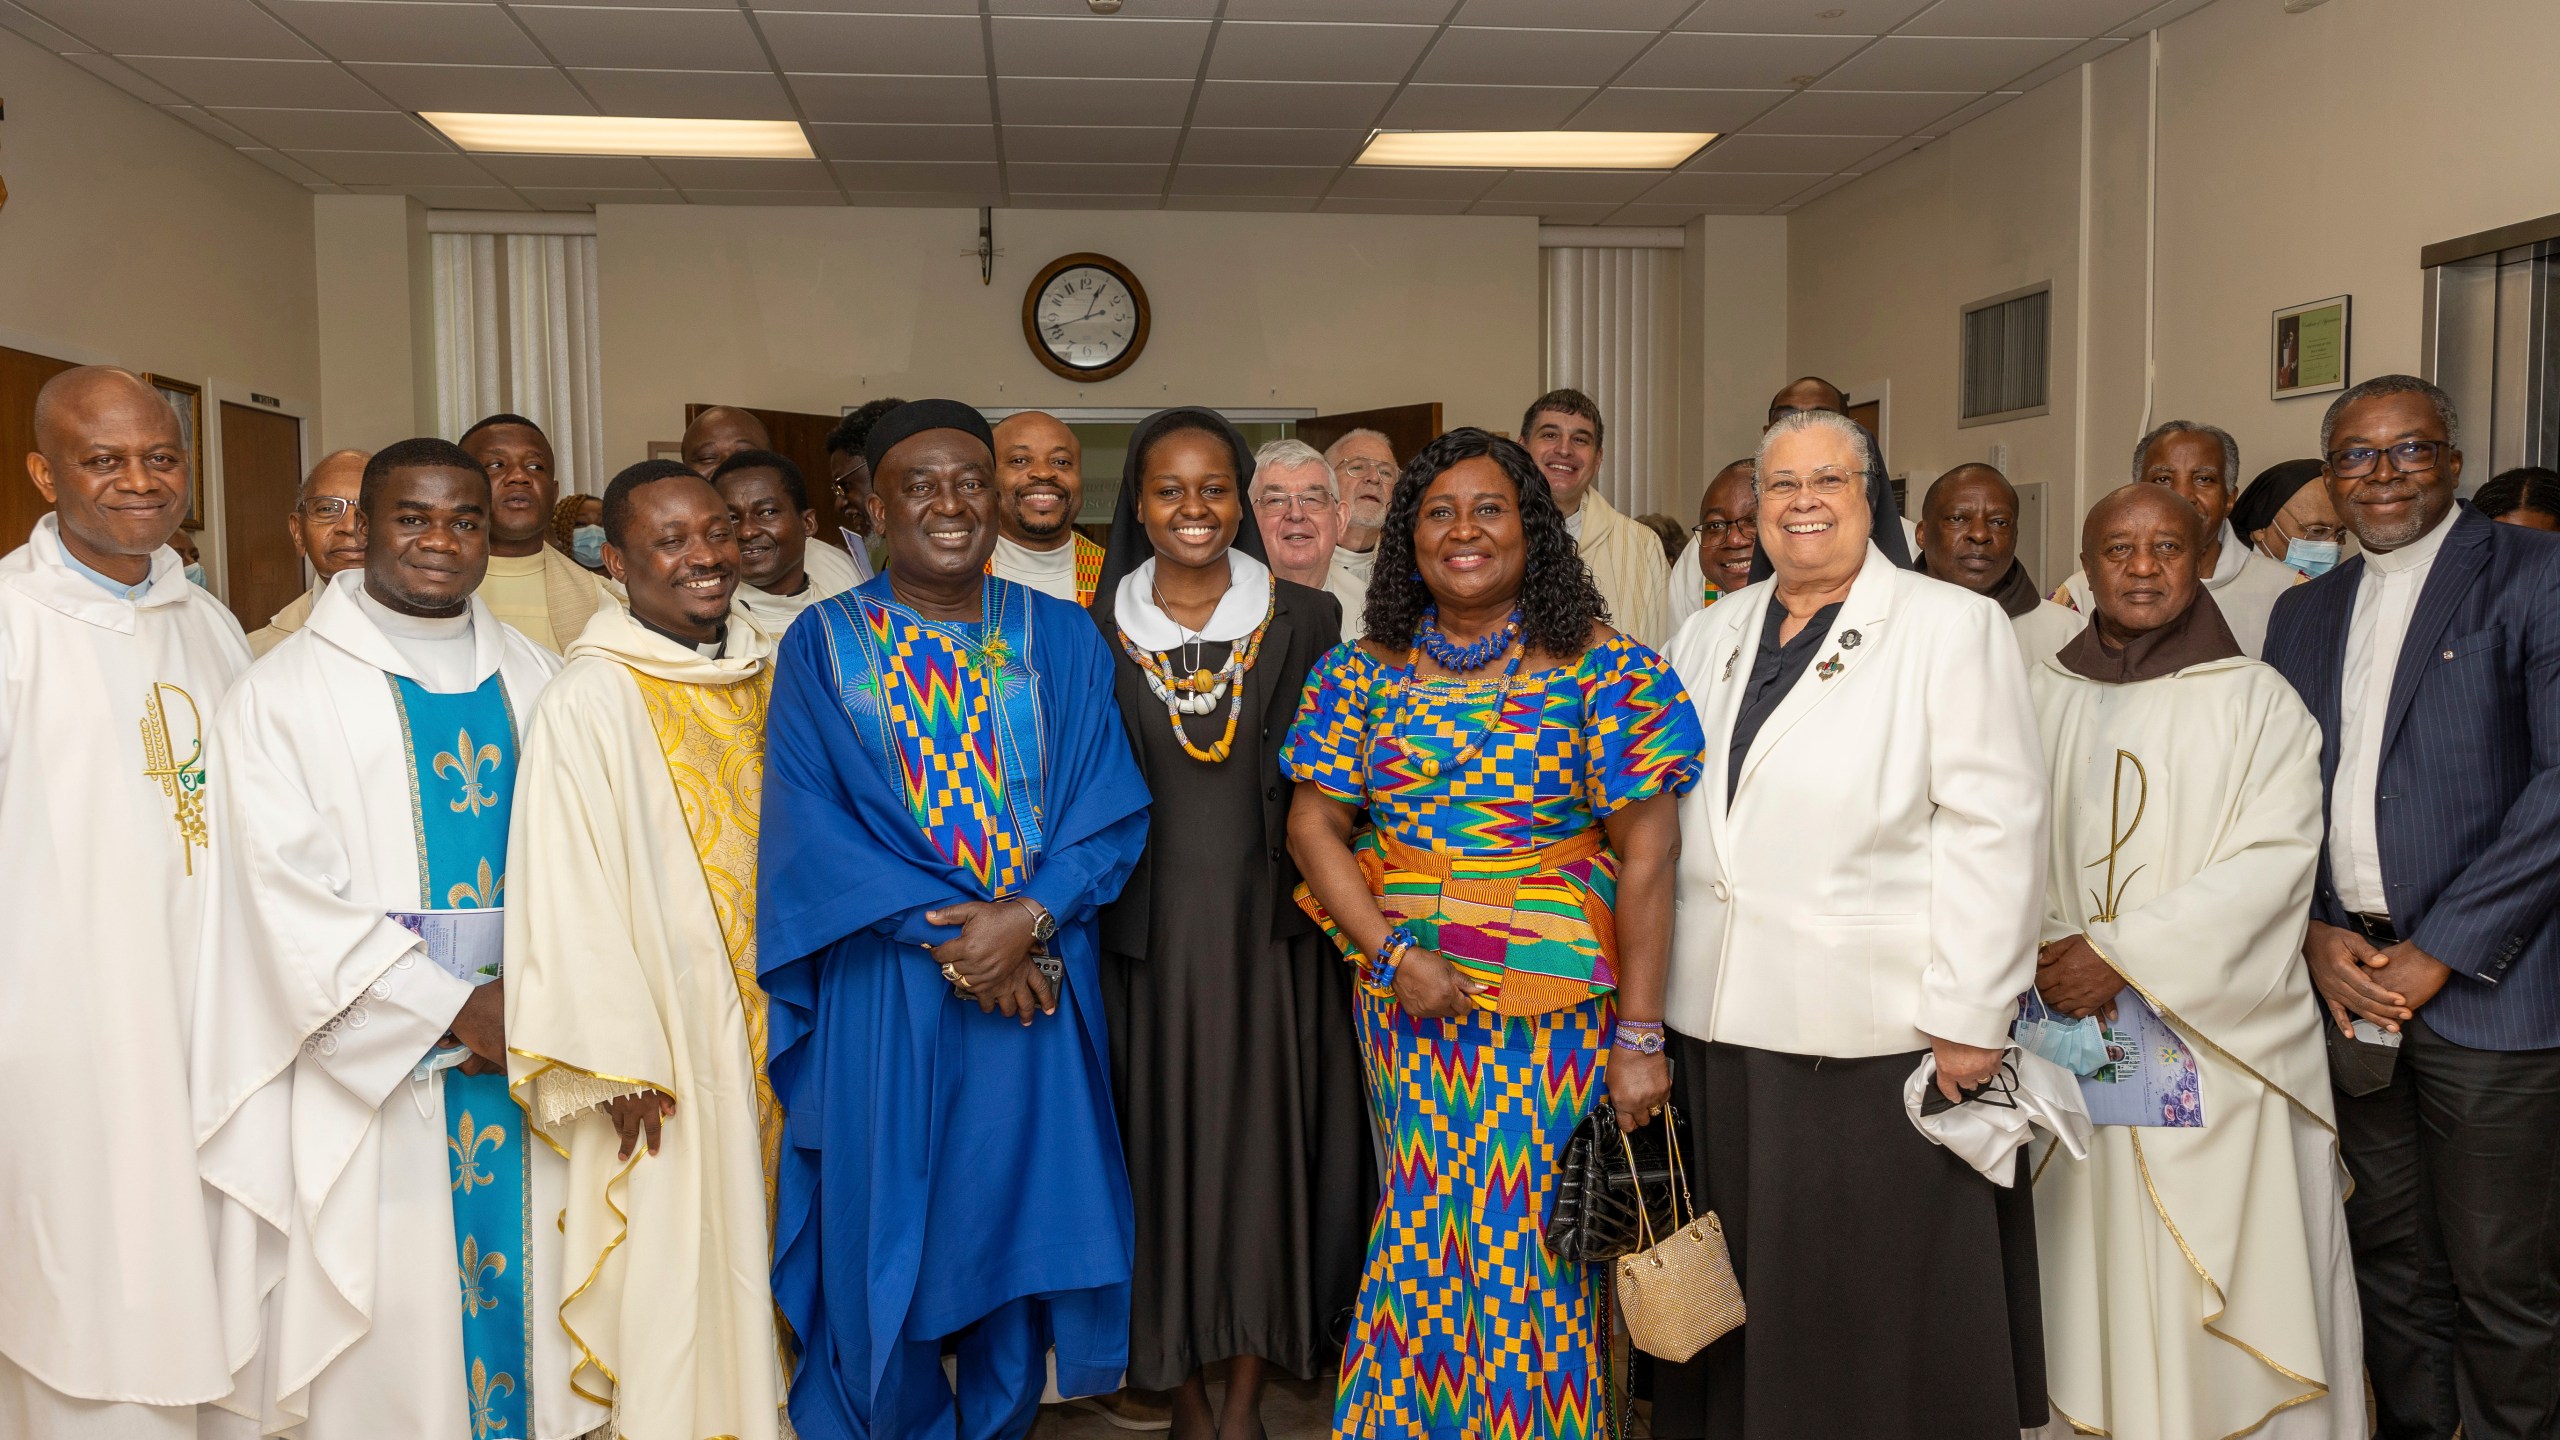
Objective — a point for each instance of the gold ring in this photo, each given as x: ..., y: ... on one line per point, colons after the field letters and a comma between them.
x: 1655, y: 1113
x: 958, y: 981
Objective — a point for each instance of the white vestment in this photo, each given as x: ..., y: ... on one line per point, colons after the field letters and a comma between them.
x: 832, y: 569
x: 2244, y: 585
x: 1346, y: 578
x: 631, y: 877
x: 313, y: 1008
x: 829, y: 573
x: 2044, y: 630
x: 108, y: 1319
x: 2197, y: 1281
x: 1626, y: 563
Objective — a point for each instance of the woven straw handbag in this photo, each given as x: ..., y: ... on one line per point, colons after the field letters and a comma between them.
x: 1678, y: 1293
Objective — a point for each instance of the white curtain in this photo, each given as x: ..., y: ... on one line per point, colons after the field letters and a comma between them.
x: 1613, y: 332
x: 517, y: 330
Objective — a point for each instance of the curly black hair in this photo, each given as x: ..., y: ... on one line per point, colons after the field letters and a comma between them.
x: 1558, y: 601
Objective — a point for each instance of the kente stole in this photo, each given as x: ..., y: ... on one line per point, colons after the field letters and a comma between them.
x: 953, y: 711
x: 1088, y: 569
x: 462, y: 782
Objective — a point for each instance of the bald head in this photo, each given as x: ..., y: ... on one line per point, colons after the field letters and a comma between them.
x: 112, y: 461
x: 1810, y: 393
x: 718, y: 433
x: 1969, y: 528
x: 70, y: 402
x: 2126, y: 503
x: 2140, y: 547
x: 334, y: 467
x: 324, y: 523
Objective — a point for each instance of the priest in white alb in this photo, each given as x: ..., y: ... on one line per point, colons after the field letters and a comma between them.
x: 349, y: 1056
x: 111, y: 665
x: 636, y: 1025
x: 782, y: 568
x: 2196, y: 1276
x: 1563, y: 433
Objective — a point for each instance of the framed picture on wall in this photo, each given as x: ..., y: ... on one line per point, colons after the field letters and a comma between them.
x: 188, y: 400
x: 2307, y: 351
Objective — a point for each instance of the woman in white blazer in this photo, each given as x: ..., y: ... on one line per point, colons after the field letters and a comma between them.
x: 1860, y: 885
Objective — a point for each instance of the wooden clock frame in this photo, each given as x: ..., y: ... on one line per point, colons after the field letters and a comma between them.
x: 1031, y: 323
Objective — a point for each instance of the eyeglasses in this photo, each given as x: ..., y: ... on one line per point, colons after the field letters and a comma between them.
x: 327, y: 509
x: 1787, y: 484
x: 1282, y: 504
x: 2409, y: 457
x: 1713, y: 531
x: 1366, y: 469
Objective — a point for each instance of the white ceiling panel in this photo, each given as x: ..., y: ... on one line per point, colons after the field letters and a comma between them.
x: 1739, y: 62
x: 1377, y: 12
x: 1084, y: 179
x: 1646, y: 15
x: 1644, y: 214
x: 918, y: 177
x: 2078, y: 19
x: 497, y: 89
x: 1180, y: 201
x: 1857, y: 112
x: 291, y: 169
x: 1903, y: 62
x: 1615, y: 187
x: 335, y: 130
x: 595, y: 37
x: 1129, y: 10
x: 1467, y: 56
x: 1802, y: 17
x: 1484, y: 107
x: 1729, y: 189
x: 1782, y: 154
x: 210, y: 29
x: 1623, y: 107
x: 1554, y: 212
x: 1301, y: 180
x: 903, y: 142
x: 392, y: 167
x: 452, y: 197
x: 1811, y: 194
x: 441, y: 34
x: 763, y: 197
x: 213, y: 125
x: 1382, y: 184
x: 1028, y: 100
x: 1948, y: 123
x: 38, y: 31
x: 127, y: 79
x: 1026, y: 201
x: 920, y: 199
x: 1099, y: 47
x: 862, y: 7
x: 574, y: 172
x: 688, y: 94
x: 2153, y: 19
x: 1250, y: 51
x: 1371, y: 205
x: 894, y: 99
x: 2070, y: 60
x: 876, y: 44
x: 298, y: 83
x: 1282, y: 104
x: 1206, y: 146
x: 693, y: 172
x: 1109, y: 144
x: 576, y: 198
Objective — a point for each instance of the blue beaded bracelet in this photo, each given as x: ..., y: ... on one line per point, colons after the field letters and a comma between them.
x: 1390, y: 954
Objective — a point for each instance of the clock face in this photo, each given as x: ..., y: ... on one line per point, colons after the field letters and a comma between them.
x: 1086, y: 317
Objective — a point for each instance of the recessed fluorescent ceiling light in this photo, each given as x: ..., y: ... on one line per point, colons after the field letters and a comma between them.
x: 1536, y: 149
x: 621, y: 135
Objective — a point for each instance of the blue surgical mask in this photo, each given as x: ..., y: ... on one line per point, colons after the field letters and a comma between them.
x: 587, y: 543
x: 2311, y: 557
x: 196, y: 573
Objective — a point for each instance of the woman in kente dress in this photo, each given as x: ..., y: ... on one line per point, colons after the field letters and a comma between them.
x: 1234, y: 1066
x: 1508, y: 918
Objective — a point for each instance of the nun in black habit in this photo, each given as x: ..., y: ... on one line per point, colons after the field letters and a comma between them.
x: 1234, y: 1064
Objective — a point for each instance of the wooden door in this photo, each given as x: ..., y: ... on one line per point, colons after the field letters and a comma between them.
x: 261, y: 470
x: 1407, y: 427
x: 802, y: 437
x: 21, y: 376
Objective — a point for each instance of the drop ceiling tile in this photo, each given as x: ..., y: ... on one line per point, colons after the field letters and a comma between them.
x: 1888, y: 154
x: 1695, y: 189
x: 1904, y: 62
x: 2150, y: 20
x: 2078, y: 19
x: 1043, y: 179
x: 452, y: 197
x: 574, y: 172
x: 1800, y: 154
x: 1116, y: 144
x: 1281, y: 103
x: 1652, y: 214
x: 865, y: 7
x: 1858, y: 112
x: 694, y: 172
x: 919, y: 177
x: 1366, y: 205
x: 290, y: 168
x: 393, y: 167
x: 827, y: 197
x: 592, y: 36
x: 214, y: 126
x: 335, y: 130
x: 1100, y: 47
x: 1813, y: 193
x: 1623, y: 107
x: 923, y: 199
x: 1565, y: 187
x: 1211, y: 146
x: 1252, y: 51
x: 1026, y: 200
x: 1132, y: 10
x: 1949, y: 123
x: 127, y: 79
x: 689, y: 94
x: 1028, y: 100
x: 1579, y: 15
x: 876, y: 44
x: 574, y: 198
x: 894, y: 99
x: 1379, y: 12
x: 214, y: 29
x: 2069, y: 61
x: 1272, y: 180
x: 1559, y: 212
x: 1802, y: 17
x: 1298, y: 204
x: 1401, y: 184
x: 904, y: 142
x: 39, y: 31
x: 1739, y: 62
x: 615, y: 4
x: 440, y: 34
x: 496, y: 89
x: 296, y: 83
x: 1483, y: 107
x: 1468, y: 56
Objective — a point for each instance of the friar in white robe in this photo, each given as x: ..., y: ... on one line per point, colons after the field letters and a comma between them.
x: 332, y: 1104
x: 108, y: 685
x: 634, y: 1020
x: 2196, y: 1277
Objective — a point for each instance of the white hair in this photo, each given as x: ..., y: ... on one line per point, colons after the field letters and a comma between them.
x: 2215, y: 433
x: 1347, y: 436
x: 1293, y: 455
x: 1803, y: 420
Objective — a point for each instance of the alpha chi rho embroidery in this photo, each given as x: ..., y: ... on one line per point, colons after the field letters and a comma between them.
x: 181, y: 779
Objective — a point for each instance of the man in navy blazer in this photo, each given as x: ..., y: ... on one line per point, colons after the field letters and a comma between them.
x: 2432, y: 662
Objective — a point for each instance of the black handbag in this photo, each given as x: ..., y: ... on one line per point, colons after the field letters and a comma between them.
x: 1601, y: 1177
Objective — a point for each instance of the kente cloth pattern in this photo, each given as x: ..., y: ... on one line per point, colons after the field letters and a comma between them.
x: 1088, y: 569
x: 953, y: 710
x: 462, y: 782
x: 713, y: 738
x: 1467, y: 1329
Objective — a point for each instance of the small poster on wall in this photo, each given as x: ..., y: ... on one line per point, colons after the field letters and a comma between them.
x: 2309, y: 353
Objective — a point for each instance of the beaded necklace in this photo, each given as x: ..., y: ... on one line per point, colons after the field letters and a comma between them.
x: 1501, y: 701
x: 1466, y: 659
x: 1196, y: 692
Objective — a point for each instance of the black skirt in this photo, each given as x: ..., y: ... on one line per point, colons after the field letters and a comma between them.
x: 1891, y: 1289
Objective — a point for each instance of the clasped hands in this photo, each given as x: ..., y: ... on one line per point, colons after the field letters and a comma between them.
x: 991, y: 958
x: 1430, y: 988
x: 2387, y: 985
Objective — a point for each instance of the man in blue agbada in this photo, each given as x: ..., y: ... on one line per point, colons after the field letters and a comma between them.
x: 949, y: 798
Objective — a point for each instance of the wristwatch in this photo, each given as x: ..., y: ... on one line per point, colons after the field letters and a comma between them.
x: 1043, y: 924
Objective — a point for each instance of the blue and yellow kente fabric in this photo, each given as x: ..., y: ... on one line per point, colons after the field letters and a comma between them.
x: 462, y: 783
x: 953, y: 711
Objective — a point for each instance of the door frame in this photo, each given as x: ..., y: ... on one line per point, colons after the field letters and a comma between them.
x: 215, y: 540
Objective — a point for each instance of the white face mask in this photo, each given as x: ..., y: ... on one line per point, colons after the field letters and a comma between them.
x: 587, y: 543
x: 2312, y: 557
x: 196, y: 573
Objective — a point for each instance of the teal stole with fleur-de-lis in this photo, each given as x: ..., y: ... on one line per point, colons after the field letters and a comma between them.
x: 462, y: 782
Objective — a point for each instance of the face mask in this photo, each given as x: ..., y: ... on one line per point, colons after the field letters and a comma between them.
x: 2311, y: 557
x: 196, y: 573
x: 587, y: 543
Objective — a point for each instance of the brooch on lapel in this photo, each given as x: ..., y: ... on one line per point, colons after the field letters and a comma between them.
x: 1849, y: 639
x: 1730, y: 656
x: 1829, y: 668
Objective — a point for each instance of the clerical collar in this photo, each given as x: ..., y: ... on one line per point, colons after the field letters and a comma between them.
x: 1239, y: 612
x: 108, y: 583
x: 1573, y: 524
x: 2390, y: 562
x: 709, y: 650
x: 2199, y: 635
x: 401, y: 625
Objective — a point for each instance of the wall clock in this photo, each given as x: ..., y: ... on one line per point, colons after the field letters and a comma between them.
x: 1085, y: 317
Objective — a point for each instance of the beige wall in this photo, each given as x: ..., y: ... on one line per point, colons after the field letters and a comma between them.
x: 1733, y: 288
x: 811, y: 309
x: 377, y: 341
